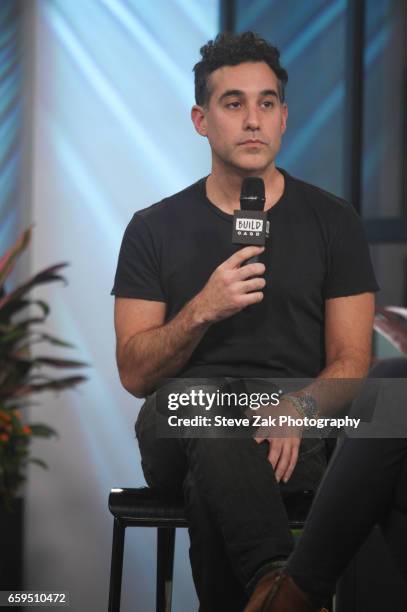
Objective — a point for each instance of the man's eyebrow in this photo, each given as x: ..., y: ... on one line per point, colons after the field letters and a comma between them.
x: 269, y: 92
x: 231, y: 92
x: 240, y: 93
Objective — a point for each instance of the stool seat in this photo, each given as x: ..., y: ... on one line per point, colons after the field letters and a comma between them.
x: 157, y: 508
x: 149, y: 507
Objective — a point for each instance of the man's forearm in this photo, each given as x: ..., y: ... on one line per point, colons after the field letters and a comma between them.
x: 338, y: 383
x: 160, y: 352
x: 348, y: 366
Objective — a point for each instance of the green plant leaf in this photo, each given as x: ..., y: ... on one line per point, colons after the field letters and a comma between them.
x: 59, y: 363
x: 55, y: 341
x: 13, y: 336
x: 46, y: 361
x: 42, y: 431
x: 47, y: 275
x: 13, y: 374
x: 39, y: 462
x: 21, y: 372
x: 16, y: 306
x: 56, y: 385
x: 32, y: 338
x: 42, y: 305
x: 8, y: 260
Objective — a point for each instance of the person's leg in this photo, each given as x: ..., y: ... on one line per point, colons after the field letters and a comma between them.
x: 394, y: 525
x: 243, y: 497
x: 216, y: 584
x: 237, y: 483
x: 227, y: 530
x: 164, y: 465
x: 163, y: 461
x: 355, y: 494
x: 243, y: 522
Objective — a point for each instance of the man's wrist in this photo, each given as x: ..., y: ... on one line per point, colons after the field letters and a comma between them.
x: 305, y: 405
x: 198, y: 313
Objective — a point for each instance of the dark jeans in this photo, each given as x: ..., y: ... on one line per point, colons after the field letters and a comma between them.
x: 236, y: 515
x: 365, y: 484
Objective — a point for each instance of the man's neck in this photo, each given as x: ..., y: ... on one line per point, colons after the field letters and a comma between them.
x: 223, y: 188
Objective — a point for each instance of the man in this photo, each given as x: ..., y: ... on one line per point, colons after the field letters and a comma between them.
x: 187, y: 307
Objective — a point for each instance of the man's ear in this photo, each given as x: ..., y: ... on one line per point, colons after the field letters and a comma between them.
x: 284, y: 117
x: 199, y: 119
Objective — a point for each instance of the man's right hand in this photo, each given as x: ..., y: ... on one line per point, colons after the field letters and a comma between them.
x: 149, y: 349
x: 232, y: 287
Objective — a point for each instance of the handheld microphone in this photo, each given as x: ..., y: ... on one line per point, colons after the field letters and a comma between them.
x: 252, y: 193
x: 250, y: 224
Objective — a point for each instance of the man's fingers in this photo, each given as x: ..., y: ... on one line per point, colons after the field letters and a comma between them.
x: 293, y: 462
x: 252, y: 298
x: 284, y: 459
x: 253, y: 284
x: 275, y: 448
x: 283, y: 456
x: 250, y: 270
x: 238, y: 258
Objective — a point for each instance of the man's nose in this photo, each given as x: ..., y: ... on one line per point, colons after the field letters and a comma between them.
x: 252, y: 118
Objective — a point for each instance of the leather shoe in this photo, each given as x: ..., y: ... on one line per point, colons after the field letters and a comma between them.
x: 277, y: 592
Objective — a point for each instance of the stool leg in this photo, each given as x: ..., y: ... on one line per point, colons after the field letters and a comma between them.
x: 116, y: 567
x: 165, y: 566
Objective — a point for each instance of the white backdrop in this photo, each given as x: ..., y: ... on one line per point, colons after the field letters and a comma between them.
x: 111, y: 91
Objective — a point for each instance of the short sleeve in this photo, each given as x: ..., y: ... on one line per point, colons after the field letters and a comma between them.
x: 138, y: 269
x: 350, y: 269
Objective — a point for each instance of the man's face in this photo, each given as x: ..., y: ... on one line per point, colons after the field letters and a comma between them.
x: 244, y: 119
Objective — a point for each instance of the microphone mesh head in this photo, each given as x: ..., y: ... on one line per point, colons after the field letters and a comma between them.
x: 252, y: 195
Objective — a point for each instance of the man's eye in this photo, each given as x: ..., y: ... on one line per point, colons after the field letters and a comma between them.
x: 268, y: 103
x: 235, y: 104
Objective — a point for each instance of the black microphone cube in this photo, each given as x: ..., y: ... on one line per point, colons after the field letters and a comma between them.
x: 250, y: 227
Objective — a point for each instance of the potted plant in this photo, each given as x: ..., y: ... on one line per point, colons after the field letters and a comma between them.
x: 23, y: 374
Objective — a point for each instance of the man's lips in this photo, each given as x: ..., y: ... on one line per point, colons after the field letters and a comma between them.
x: 254, y: 141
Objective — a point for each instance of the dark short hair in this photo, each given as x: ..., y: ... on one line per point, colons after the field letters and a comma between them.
x: 230, y: 50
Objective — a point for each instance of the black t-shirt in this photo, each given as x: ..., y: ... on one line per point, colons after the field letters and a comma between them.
x: 316, y: 250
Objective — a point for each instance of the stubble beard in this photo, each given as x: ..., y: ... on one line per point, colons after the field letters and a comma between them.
x: 245, y: 168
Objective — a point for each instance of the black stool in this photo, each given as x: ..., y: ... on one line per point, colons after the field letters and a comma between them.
x: 147, y: 507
